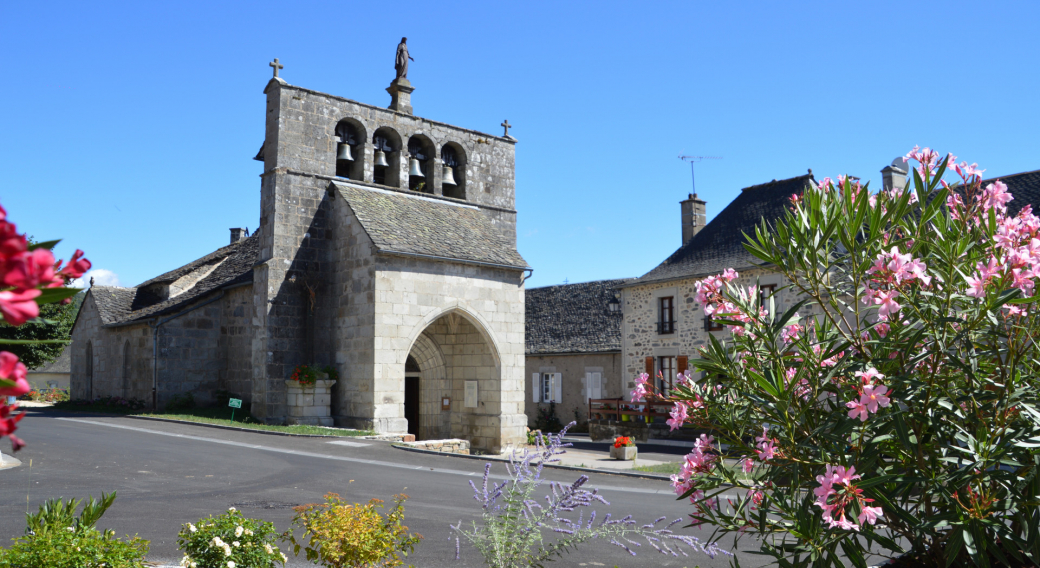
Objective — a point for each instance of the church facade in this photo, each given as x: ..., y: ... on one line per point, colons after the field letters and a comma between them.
x: 386, y: 249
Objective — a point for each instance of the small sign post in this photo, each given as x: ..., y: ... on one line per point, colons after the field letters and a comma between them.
x: 234, y: 403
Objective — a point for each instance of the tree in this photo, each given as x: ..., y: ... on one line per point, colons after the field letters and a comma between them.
x: 55, y: 323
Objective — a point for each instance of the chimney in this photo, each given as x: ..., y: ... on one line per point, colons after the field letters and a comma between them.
x: 894, y: 175
x: 238, y: 234
x: 694, y: 217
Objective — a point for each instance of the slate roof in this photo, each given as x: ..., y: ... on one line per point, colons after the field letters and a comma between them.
x: 573, y: 318
x: 63, y: 364
x: 399, y: 222
x: 718, y: 245
x: 1024, y: 187
x: 127, y: 305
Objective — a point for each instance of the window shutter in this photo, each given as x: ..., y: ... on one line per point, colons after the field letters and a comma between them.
x: 536, y: 386
x: 586, y: 384
x: 597, y: 385
x: 707, y: 323
x: 557, y: 387
x: 649, y: 365
x: 684, y: 363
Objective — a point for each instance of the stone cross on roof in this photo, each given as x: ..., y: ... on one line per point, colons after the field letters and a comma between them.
x: 276, y: 66
x: 506, y: 125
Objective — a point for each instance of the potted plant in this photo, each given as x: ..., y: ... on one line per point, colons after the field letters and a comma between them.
x: 309, y: 396
x: 623, y: 449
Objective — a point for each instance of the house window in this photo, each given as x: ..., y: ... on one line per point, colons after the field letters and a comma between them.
x: 547, y: 387
x: 666, y: 315
x: 764, y: 293
x: 666, y: 367
x: 711, y: 325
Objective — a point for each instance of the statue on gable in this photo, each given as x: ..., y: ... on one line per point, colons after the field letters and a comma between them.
x: 401, y: 62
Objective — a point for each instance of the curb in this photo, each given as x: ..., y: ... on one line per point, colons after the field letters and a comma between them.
x: 9, y: 462
x: 237, y: 429
x: 618, y: 472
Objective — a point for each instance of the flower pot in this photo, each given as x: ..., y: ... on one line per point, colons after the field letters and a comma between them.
x: 310, y: 404
x: 623, y: 453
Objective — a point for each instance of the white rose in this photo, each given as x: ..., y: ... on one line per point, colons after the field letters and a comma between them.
x: 227, y: 550
x: 235, y: 543
x: 186, y: 561
x: 239, y: 530
x: 284, y: 557
x: 230, y: 564
x: 249, y: 532
x: 232, y: 509
x: 267, y: 547
x: 70, y: 529
x: 192, y: 528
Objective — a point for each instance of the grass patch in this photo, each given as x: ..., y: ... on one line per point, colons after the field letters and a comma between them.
x: 666, y: 468
x: 221, y: 416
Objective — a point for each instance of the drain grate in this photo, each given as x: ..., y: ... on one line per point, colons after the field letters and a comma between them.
x: 265, y: 505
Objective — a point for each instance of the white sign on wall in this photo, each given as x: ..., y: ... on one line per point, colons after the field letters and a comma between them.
x: 471, y: 394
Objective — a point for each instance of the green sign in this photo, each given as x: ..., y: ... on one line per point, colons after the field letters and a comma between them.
x: 235, y: 403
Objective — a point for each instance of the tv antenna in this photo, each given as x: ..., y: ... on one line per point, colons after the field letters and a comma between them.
x: 694, y: 159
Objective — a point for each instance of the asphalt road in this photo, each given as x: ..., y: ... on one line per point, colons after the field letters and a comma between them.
x: 170, y: 474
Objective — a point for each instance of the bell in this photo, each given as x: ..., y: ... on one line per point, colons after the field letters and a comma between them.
x: 343, y: 152
x: 381, y: 159
x: 447, y: 176
x: 414, y: 169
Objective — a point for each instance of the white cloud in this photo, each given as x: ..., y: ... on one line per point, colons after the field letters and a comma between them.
x: 101, y: 277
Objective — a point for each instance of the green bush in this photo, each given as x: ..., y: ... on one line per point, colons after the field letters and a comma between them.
x: 57, y: 538
x: 338, y: 534
x: 228, y: 541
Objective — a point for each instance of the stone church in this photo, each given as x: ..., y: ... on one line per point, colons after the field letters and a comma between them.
x: 386, y: 249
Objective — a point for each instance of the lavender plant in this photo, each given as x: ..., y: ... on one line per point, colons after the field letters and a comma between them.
x: 517, y: 531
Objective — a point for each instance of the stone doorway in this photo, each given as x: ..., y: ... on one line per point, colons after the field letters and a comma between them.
x: 452, y: 353
x: 412, y: 395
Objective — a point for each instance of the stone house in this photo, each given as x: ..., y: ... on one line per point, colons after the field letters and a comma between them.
x: 386, y: 249
x: 573, y: 337
x: 51, y: 375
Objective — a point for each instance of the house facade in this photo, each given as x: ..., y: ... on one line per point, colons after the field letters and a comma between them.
x: 573, y: 334
x: 386, y: 250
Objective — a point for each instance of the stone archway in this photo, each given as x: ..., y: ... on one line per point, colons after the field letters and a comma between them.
x: 452, y: 352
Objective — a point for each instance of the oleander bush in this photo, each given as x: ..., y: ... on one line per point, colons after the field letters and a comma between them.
x: 895, y: 406
x: 228, y: 541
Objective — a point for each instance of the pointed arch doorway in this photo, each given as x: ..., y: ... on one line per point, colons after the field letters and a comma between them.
x: 412, y: 394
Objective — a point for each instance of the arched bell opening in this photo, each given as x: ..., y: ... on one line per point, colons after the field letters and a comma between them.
x: 421, y: 158
x: 453, y: 176
x: 386, y: 162
x: 350, y: 154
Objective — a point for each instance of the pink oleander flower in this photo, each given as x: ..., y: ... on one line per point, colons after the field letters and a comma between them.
x: 976, y: 286
x: 874, y: 396
x: 29, y: 269
x: 766, y: 446
x: 684, y: 378
x: 887, y: 301
x: 869, y: 515
x: 869, y: 375
x: 859, y: 410
x: 729, y: 275
x: 639, y: 393
x: 19, y: 307
x: 12, y: 371
x: 747, y: 465
x: 678, y: 416
x: 791, y: 333
x: 996, y: 196
x: 882, y: 329
x: 836, y: 493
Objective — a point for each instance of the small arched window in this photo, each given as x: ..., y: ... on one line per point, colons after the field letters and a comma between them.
x: 127, y: 383
x: 453, y: 176
x: 90, y: 370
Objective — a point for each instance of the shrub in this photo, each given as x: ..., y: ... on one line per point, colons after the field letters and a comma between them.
x: 103, y: 404
x: 56, y: 537
x: 517, y: 531
x: 228, y: 541
x: 339, y: 534
x: 547, y: 419
x: 46, y: 395
x: 180, y: 402
x: 903, y: 405
x: 305, y: 375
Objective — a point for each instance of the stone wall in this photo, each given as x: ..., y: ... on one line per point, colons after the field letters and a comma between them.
x: 235, y: 342
x: 452, y: 446
x: 573, y: 368
x: 640, y: 338
x: 112, y: 375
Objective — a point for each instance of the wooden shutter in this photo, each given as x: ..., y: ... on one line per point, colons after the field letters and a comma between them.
x: 684, y: 363
x: 586, y: 386
x: 557, y: 387
x: 649, y: 365
x: 536, y: 386
x: 597, y: 385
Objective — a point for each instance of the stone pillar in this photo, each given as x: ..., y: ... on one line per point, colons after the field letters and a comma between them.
x: 400, y: 95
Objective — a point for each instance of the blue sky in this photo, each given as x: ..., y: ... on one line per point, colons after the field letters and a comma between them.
x: 129, y: 129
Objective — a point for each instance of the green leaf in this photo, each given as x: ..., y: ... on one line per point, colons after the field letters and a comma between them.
x: 52, y: 295
x: 49, y: 245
